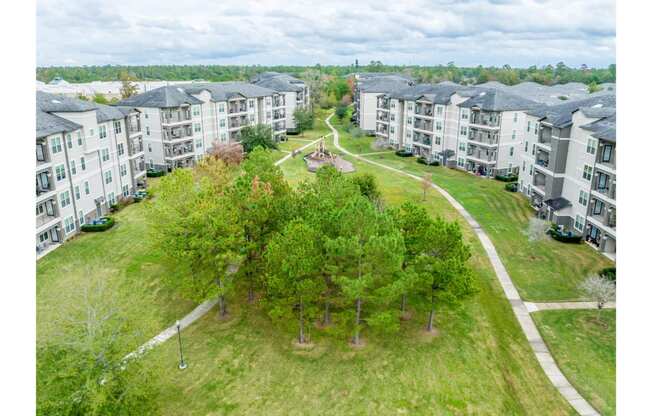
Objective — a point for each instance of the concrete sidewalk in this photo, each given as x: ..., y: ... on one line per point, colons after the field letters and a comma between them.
x: 549, y: 306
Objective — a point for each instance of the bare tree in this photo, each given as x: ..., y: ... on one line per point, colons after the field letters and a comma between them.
x: 230, y: 153
x: 536, y: 229
x: 426, y: 183
x: 600, y: 290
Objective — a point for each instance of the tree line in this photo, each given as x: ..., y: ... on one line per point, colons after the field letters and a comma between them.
x: 328, y: 253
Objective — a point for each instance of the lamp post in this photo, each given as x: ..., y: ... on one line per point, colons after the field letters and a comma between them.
x: 182, y: 363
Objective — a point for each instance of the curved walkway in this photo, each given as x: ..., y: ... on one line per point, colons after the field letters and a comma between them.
x: 202, y: 308
x: 532, y: 334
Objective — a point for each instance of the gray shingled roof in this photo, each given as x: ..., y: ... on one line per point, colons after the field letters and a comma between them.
x: 561, y: 115
x: 604, y: 128
x: 108, y: 113
x: 436, y: 93
x: 53, y: 103
x: 383, y: 85
x: 279, y: 84
x: 222, y: 91
x: 549, y: 94
x: 47, y: 124
x: 162, y: 97
x: 492, y: 99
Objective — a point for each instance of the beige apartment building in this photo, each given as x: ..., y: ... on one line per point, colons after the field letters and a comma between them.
x: 295, y: 91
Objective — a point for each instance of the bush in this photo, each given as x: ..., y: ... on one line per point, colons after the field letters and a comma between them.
x: 511, y: 187
x: 403, y: 153
x: 153, y: 173
x: 92, y: 228
x: 507, y: 178
x: 424, y: 161
x: 558, y: 235
x: 608, y: 273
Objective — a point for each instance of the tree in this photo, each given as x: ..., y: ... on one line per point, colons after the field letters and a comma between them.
x: 536, y: 229
x: 229, y: 153
x: 346, y: 100
x: 368, y: 186
x: 258, y: 135
x: 294, y: 261
x: 304, y: 119
x: 593, y: 87
x: 196, y: 227
x: 100, y: 98
x: 426, y: 184
x: 340, y: 111
x: 129, y: 88
x: 601, y: 290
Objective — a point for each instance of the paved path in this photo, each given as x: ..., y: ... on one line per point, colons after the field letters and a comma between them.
x: 376, y: 153
x: 532, y: 334
x: 200, y: 310
x: 547, y: 306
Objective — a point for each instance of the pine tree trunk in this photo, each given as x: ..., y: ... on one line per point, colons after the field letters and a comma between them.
x: 302, y: 338
x: 403, y: 302
x: 358, y: 308
x: 327, y: 314
x: 431, y: 317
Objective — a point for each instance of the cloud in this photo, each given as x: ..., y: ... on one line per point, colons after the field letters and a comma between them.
x: 424, y: 32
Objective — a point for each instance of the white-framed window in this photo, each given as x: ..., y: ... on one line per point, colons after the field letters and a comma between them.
x: 125, y: 190
x: 268, y: 100
x: 149, y: 148
x: 223, y: 137
x: 64, y: 198
x: 515, y: 117
x: 121, y: 149
x: 197, y: 127
x: 530, y: 170
x: 529, y: 123
x: 123, y: 169
x: 460, y: 162
x: 465, y: 114
x: 591, y: 146
x: 579, y: 223
x: 438, y: 126
x: 409, y: 120
x: 146, y: 115
x: 195, y: 110
x: 111, y: 197
x: 513, y: 134
x: 151, y: 163
x: 87, y: 188
x: 69, y: 141
x: 409, y: 134
x: 222, y: 123
x: 587, y: 173
x: 82, y: 220
x: 251, y: 104
x: 82, y: 162
x: 392, y: 117
x: 105, y: 155
x: 439, y: 109
x: 523, y: 166
x: 462, y: 147
x: 463, y: 130
x: 536, y: 128
x: 511, y: 151
x: 437, y: 140
x: 409, y: 107
x: 584, y: 198
x: 60, y: 172
x: 77, y: 193
x: 526, y: 144
x: 391, y: 129
x: 56, y: 145
x: 108, y: 177
x: 73, y: 168
x: 251, y: 118
x: 102, y: 132
x: 92, y: 132
x: 117, y: 126
x: 80, y: 139
x: 198, y: 144
x: 220, y: 108
x: 69, y: 224
x: 147, y: 130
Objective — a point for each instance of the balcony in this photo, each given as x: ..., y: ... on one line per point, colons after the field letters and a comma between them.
x: 383, y: 104
x: 604, y: 185
x: 603, y: 213
x: 420, y: 139
x: 484, y: 119
x: 177, y: 133
x: 135, y: 147
x: 606, y: 157
x: 278, y: 114
x: 180, y: 151
x: 482, y: 138
x: 44, y: 183
x: 138, y: 167
x: 175, y: 116
x: 539, y: 182
x: 382, y: 117
x: 238, y: 122
x: 234, y: 136
x: 133, y: 125
x: 278, y: 102
x: 423, y: 110
x: 480, y: 155
x: 425, y: 125
x: 42, y: 154
x: 545, y: 135
x: 381, y: 129
x: 238, y: 106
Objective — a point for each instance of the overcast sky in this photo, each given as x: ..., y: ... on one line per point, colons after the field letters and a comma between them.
x: 268, y: 32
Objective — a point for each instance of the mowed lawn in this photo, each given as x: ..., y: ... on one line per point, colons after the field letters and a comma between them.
x: 585, y: 349
x: 545, y: 270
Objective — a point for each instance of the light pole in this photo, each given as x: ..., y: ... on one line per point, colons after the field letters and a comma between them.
x: 182, y: 363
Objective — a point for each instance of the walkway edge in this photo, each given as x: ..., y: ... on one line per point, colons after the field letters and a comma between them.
x: 528, y: 326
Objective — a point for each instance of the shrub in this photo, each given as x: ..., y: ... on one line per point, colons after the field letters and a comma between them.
x: 507, y: 178
x: 153, y: 173
x: 403, y: 153
x: 608, y: 273
x: 91, y: 228
x: 424, y: 161
x: 511, y: 187
x: 558, y: 235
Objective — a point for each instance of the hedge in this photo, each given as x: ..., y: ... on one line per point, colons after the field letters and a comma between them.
x: 424, y: 161
x: 153, y: 173
x: 608, y: 273
x: 507, y: 178
x: 92, y: 228
x: 564, y: 238
x: 511, y: 187
x: 403, y: 153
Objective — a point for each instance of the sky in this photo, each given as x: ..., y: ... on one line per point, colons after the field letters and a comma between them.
x: 274, y: 32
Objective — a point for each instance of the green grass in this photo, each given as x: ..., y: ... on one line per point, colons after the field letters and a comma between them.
x: 585, y: 351
x: 542, y: 271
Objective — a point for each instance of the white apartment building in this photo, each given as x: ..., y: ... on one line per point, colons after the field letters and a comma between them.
x: 365, y: 96
x: 181, y: 123
x: 569, y: 168
x: 296, y: 92
x: 87, y: 158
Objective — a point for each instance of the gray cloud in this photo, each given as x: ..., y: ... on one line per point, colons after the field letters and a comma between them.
x: 469, y: 32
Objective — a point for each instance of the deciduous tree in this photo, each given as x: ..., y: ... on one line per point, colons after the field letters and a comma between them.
x: 259, y: 135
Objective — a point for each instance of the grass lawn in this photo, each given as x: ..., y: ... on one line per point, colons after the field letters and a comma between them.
x: 543, y: 271
x: 585, y: 350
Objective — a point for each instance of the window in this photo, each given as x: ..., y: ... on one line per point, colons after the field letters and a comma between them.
x: 251, y: 118
x: 105, y: 155
x: 462, y: 147
x: 529, y: 123
x: 197, y: 127
x: 195, y: 110
x: 80, y: 140
x: 92, y: 132
x: 536, y: 128
x: 77, y: 193
x: 439, y: 110
x: 409, y: 107
x: 64, y: 197
x: 121, y: 149
x: 523, y: 166
x: 606, y: 152
x: 409, y: 120
x: 111, y: 197
x: 69, y: 141
x: 460, y: 162
x: 221, y: 108
x: 526, y: 144
x: 87, y: 188
x: 146, y: 116
x: 223, y: 137
x: 73, y: 168
x: 591, y: 146
x: 108, y: 178
x: 515, y: 117
x: 56, y: 145
x: 117, y: 127
x: 147, y: 130
x: 530, y: 170
x: 69, y: 224
x: 584, y: 198
x: 123, y: 170
x: 513, y: 134
x: 511, y: 151
x: 251, y: 104
x: 102, y: 132
x: 409, y: 134
x: 588, y: 170
x: 222, y: 123
x: 463, y: 130
x: 438, y: 126
x: 125, y: 190
x: 149, y: 147
x: 151, y: 163
x: 60, y: 172
x: 465, y: 115
x: 598, y: 207
x: 391, y: 129
x: 198, y: 144
x: 81, y: 218
x: 437, y: 140
x: 579, y: 223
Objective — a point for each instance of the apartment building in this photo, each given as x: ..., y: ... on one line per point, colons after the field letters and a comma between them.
x: 181, y: 123
x: 368, y: 86
x: 295, y: 91
x: 86, y: 160
x: 569, y: 167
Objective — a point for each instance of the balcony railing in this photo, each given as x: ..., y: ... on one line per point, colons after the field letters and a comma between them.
x: 278, y: 115
x: 42, y: 154
x: 482, y: 137
x: 542, y: 163
x: 236, y: 123
x: 278, y: 102
x: 237, y: 108
x: 175, y: 116
x: 177, y: 133
x: 133, y: 125
x: 484, y: 119
x: 382, y: 116
x: 423, y: 110
x: 136, y: 148
x: 178, y: 151
x: 137, y: 166
x: 422, y: 125
x: 477, y: 154
x: 545, y: 135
